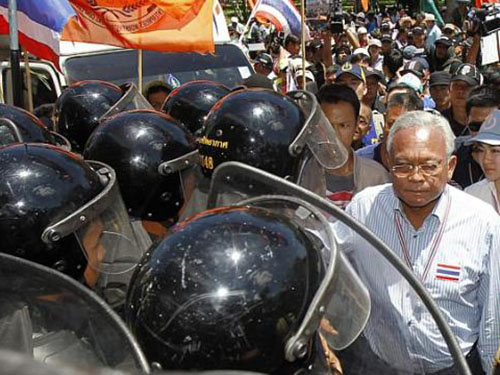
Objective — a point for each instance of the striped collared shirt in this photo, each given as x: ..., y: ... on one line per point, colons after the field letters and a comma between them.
x: 463, y: 277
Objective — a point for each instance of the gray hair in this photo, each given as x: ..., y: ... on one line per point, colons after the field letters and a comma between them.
x: 423, y: 119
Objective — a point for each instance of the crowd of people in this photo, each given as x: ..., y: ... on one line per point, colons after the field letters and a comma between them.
x: 394, y: 62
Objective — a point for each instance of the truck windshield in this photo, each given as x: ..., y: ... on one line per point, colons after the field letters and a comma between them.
x: 228, y: 66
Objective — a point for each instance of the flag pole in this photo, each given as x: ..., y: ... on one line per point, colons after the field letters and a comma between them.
x: 28, y: 80
x: 303, y: 42
x: 139, y: 68
x: 15, y: 56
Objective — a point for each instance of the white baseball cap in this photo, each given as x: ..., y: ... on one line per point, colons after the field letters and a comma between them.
x: 361, y: 51
x: 362, y: 30
x: 430, y: 17
x: 309, y: 74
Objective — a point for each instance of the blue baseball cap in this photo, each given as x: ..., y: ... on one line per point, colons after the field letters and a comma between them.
x: 351, y: 69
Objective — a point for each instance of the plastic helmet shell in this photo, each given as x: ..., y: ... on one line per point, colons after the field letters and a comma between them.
x: 254, y: 127
x: 30, y: 128
x: 79, y: 108
x: 224, y: 291
x: 40, y: 185
x: 191, y: 102
x: 134, y: 144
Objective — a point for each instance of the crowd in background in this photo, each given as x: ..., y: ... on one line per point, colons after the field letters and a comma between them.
x: 395, y: 62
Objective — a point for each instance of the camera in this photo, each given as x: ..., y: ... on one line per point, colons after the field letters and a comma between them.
x: 485, y: 20
x: 336, y: 18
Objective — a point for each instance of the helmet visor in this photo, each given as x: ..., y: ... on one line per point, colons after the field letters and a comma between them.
x: 348, y: 309
x: 317, y: 134
x: 9, y: 133
x: 55, y: 319
x: 311, y: 175
x: 341, y: 305
x: 102, y: 229
x: 198, y: 186
x: 185, y: 167
x: 61, y: 141
x: 132, y: 99
x: 108, y: 241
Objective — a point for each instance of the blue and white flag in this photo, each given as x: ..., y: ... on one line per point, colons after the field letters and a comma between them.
x: 282, y: 14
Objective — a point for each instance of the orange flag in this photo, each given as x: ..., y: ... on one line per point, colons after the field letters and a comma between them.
x: 365, y: 4
x: 163, y: 25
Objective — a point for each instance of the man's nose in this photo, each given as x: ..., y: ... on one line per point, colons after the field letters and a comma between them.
x: 416, y: 175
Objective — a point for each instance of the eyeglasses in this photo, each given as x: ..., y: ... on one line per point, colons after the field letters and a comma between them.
x: 406, y: 170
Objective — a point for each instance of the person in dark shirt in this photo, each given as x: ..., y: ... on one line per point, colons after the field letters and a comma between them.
x: 372, y: 98
x: 393, y: 61
x: 463, y: 81
x: 440, y: 54
x: 439, y: 88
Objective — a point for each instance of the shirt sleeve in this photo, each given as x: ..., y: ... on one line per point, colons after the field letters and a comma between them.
x: 489, y: 299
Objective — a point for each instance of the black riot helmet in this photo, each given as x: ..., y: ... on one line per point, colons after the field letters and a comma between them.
x: 136, y: 144
x: 243, y: 288
x: 20, y: 126
x: 83, y: 105
x: 288, y: 136
x: 269, y: 131
x: 62, y: 212
x: 191, y: 102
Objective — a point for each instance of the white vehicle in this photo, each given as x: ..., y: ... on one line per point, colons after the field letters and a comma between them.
x: 84, y: 61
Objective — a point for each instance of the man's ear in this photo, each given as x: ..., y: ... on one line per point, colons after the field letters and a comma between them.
x: 452, y: 163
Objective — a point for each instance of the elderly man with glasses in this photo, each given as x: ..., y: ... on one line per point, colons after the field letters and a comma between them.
x: 449, y: 239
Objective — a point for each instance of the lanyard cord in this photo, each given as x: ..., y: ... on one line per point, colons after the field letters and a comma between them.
x: 435, y: 244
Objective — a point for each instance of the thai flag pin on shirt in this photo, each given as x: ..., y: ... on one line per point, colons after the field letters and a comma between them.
x: 448, y: 272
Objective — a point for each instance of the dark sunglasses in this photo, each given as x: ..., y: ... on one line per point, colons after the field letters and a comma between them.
x: 474, y: 126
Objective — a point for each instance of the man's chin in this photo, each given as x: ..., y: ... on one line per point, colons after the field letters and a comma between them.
x: 417, y: 204
x: 418, y: 201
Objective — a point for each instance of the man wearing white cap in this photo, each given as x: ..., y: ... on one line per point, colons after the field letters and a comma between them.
x: 433, y: 30
x: 310, y: 81
x: 237, y: 26
x: 363, y: 37
x: 486, y: 146
x: 376, y: 59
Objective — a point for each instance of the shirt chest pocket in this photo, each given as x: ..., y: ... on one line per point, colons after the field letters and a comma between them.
x: 454, y: 282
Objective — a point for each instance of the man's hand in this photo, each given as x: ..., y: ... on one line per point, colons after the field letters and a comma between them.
x: 331, y: 358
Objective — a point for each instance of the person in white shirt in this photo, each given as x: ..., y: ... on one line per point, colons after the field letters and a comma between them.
x: 238, y: 27
x: 450, y: 240
x: 433, y: 30
x: 486, y: 150
x: 376, y: 59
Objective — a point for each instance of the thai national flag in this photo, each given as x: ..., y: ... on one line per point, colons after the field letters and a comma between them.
x: 40, y: 23
x: 282, y: 14
x: 447, y: 272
